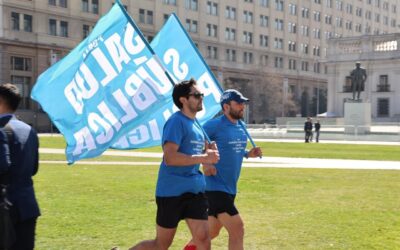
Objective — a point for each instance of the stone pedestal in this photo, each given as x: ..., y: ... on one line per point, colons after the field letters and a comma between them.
x: 357, y: 117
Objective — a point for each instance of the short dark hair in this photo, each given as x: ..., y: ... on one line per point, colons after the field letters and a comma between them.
x: 9, y: 94
x: 182, y: 89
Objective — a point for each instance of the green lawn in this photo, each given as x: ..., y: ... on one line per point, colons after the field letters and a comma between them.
x: 285, y: 149
x: 96, y: 207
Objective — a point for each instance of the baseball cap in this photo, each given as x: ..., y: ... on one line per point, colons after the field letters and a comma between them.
x: 232, y: 95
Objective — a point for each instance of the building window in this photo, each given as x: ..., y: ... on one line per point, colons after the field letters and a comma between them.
x: 279, y: 5
x: 170, y: 2
x: 63, y: 3
x: 377, y: 18
x: 85, y: 30
x: 212, y: 52
x: 85, y: 5
x: 317, y: 16
x: 230, y: 13
x: 278, y: 62
x: 278, y: 43
x: 292, y: 64
x: 64, y: 29
x: 304, y: 48
x: 95, y: 6
x: 15, y: 20
x: 305, y: 31
x: 212, y: 8
x: 191, y: 25
x: 52, y: 2
x: 304, y: 66
x: 247, y: 37
x: 292, y: 9
x: 248, y: 16
x: 317, y: 33
x: 383, y: 107
x: 27, y: 23
x: 349, y: 8
x: 230, y: 34
x: 305, y: 12
x: 358, y: 12
x: 21, y: 63
x: 317, y: 67
x: 328, y: 3
x: 191, y: 5
x: 211, y: 30
x: 339, y: 5
x: 231, y: 55
x: 292, y: 46
x: 145, y: 16
x: 278, y: 24
x: 328, y: 19
x: 292, y: 28
x: 264, y: 3
x: 316, y: 51
x: 23, y: 85
x: 52, y: 27
x: 248, y: 57
x: 264, y: 20
x: 263, y: 41
x: 383, y: 85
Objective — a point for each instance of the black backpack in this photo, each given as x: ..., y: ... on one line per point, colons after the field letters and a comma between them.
x: 7, y: 232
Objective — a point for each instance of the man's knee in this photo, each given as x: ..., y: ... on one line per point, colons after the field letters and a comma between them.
x: 237, y: 230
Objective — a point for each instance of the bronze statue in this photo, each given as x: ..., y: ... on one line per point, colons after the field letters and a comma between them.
x: 358, y: 77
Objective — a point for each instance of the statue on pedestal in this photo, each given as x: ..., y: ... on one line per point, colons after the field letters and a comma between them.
x: 358, y: 77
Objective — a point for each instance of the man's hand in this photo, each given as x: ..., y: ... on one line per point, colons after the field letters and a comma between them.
x: 209, y: 169
x: 255, y: 152
x: 211, y: 156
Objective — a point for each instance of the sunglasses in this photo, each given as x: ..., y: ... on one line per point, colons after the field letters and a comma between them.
x: 196, y: 95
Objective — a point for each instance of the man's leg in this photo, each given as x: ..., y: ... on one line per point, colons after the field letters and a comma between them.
x: 200, y: 233
x: 162, y: 241
x: 214, y: 227
x: 235, y: 228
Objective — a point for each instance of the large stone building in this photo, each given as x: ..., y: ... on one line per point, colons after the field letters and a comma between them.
x: 380, y: 56
x: 261, y: 47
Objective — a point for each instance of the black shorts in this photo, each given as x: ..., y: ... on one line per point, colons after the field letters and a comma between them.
x: 170, y: 210
x: 221, y: 202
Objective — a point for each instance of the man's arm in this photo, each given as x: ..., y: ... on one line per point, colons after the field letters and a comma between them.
x: 174, y: 158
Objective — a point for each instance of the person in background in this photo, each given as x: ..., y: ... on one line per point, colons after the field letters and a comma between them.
x: 24, y: 163
x: 308, y: 129
x: 222, y: 178
x: 180, y: 191
x: 317, y: 127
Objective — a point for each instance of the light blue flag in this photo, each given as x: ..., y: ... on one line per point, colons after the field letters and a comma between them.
x: 182, y: 61
x: 105, y: 87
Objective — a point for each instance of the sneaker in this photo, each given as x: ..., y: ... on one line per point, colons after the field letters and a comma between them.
x: 190, y: 247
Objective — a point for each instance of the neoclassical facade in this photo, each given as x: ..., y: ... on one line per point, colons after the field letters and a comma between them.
x: 380, y: 56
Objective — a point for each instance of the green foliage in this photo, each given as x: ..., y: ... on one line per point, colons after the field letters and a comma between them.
x: 97, y: 207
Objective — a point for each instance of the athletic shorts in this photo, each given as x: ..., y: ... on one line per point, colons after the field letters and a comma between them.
x: 221, y: 202
x: 170, y: 210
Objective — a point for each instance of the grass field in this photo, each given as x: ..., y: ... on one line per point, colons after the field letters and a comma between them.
x: 284, y: 149
x: 96, y: 207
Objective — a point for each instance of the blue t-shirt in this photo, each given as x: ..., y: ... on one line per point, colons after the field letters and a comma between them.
x: 176, y: 180
x: 231, y: 142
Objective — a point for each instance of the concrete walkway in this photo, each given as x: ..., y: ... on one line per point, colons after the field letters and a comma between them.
x: 271, y: 162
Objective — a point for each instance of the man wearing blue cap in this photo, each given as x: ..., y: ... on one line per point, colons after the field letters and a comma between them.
x: 222, y: 178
